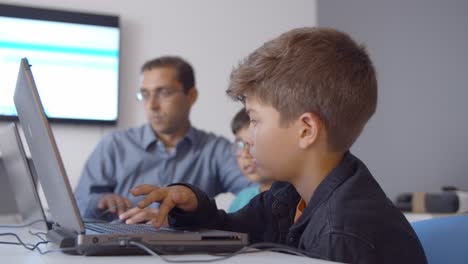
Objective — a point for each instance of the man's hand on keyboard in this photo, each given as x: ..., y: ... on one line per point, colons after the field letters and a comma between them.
x: 137, y: 215
x: 114, y: 203
x: 168, y: 197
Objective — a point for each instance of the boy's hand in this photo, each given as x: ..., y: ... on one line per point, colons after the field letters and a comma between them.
x: 168, y: 197
x: 137, y: 215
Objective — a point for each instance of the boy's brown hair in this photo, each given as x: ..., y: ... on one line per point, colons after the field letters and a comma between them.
x: 318, y: 70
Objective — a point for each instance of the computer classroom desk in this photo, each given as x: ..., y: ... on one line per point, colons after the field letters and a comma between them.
x: 17, y: 254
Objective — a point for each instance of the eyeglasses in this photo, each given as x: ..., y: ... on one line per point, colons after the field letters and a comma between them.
x: 240, y: 145
x: 160, y: 93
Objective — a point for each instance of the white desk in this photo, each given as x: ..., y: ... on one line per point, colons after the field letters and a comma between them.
x: 13, y: 254
x: 414, y: 217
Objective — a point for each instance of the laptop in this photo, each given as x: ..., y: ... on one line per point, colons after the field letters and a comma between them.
x: 68, y: 229
x: 20, y: 180
x: 8, y: 209
x: 21, y: 186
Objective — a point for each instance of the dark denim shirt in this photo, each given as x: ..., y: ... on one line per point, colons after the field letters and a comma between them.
x: 127, y: 158
x: 348, y: 219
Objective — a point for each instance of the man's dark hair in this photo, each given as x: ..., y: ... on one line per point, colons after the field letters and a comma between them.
x: 185, y: 73
x: 241, y: 120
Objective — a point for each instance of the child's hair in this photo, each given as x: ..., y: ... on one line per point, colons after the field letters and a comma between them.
x: 241, y: 120
x: 318, y: 70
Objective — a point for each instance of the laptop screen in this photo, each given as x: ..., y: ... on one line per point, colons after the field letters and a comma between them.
x: 45, y: 155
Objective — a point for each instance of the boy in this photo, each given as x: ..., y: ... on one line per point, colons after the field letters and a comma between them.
x: 240, y: 128
x: 309, y: 94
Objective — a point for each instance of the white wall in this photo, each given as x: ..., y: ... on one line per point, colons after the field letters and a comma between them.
x: 418, y: 140
x: 212, y: 34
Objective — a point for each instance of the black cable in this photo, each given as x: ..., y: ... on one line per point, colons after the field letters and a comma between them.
x: 37, y: 234
x: 21, y: 226
x: 279, y: 248
x: 258, y: 247
x: 153, y: 253
x: 33, y: 247
x: 10, y: 243
x: 56, y: 250
x: 25, y: 245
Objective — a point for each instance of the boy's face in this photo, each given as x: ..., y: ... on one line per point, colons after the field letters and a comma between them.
x: 244, y: 157
x: 275, y: 148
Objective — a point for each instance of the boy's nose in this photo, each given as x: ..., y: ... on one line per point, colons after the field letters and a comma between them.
x: 249, y: 138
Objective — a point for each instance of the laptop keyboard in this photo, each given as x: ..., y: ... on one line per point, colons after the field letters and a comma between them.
x: 124, y: 228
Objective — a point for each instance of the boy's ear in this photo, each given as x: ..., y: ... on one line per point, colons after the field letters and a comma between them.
x: 309, y: 127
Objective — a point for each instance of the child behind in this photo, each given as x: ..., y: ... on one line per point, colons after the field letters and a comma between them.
x: 240, y: 128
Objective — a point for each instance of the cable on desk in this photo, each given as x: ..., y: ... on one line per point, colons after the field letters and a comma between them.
x: 279, y: 248
x: 259, y: 247
x: 55, y: 250
x: 166, y: 259
x: 10, y: 243
x: 25, y: 245
x: 33, y: 247
x: 38, y: 234
x: 21, y: 226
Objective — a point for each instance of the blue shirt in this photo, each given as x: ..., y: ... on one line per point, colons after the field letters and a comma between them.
x: 128, y: 158
x: 243, y: 198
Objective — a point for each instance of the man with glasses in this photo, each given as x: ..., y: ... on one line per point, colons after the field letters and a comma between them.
x: 165, y: 150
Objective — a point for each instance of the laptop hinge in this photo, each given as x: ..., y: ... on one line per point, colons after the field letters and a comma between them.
x: 61, y: 237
